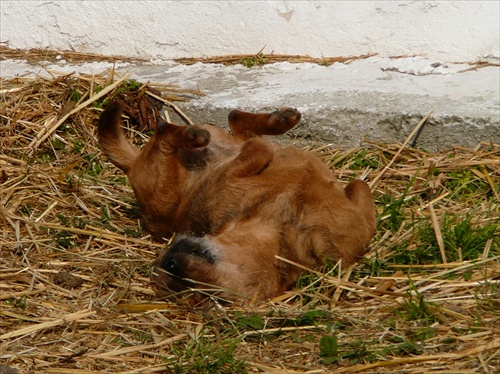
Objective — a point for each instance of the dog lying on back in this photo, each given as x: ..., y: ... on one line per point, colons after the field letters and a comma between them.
x: 236, y: 201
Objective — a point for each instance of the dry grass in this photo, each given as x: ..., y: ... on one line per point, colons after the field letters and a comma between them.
x: 75, y: 296
x: 38, y: 56
x: 42, y: 56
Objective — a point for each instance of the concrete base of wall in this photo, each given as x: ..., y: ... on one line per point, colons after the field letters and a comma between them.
x: 376, y: 99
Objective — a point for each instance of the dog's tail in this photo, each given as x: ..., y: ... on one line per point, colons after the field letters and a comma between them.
x: 360, y: 194
x: 112, y: 138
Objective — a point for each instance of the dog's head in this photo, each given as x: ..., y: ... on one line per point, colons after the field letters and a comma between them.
x: 240, y: 262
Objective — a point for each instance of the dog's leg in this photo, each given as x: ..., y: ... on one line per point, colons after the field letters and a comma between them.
x: 112, y: 138
x: 193, y: 137
x: 253, y: 158
x: 188, y: 137
x: 246, y: 125
x: 192, y: 147
x: 187, y: 143
x: 360, y: 194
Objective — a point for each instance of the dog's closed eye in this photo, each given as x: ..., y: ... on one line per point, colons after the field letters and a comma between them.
x: 193, y: 246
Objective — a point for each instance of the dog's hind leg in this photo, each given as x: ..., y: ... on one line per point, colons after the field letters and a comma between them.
x: 246, y: 125
x: 360, y: 194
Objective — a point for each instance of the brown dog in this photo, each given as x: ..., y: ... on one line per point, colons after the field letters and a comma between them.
x: 237, y: 202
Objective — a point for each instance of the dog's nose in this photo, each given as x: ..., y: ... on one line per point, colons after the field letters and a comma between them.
x: 169, y: 264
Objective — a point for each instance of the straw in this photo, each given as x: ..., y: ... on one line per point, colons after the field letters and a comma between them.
x: 75, y: 295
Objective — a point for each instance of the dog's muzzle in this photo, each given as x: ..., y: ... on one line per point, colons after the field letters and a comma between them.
x: 174, y: 269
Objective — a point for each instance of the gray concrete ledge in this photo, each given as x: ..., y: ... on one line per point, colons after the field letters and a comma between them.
x: 375, y: 99
x: 378, y: 99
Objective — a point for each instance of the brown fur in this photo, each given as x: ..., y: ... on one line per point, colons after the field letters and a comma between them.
x: 238, y: 202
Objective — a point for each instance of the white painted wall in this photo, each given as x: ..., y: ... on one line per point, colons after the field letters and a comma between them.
x: 443, y: 30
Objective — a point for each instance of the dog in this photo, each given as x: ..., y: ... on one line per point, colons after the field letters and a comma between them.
x: 239, y: 203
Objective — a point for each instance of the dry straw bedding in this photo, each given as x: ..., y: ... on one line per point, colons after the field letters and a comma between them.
x: 75, y: 295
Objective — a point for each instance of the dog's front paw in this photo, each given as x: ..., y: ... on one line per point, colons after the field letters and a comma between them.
x: 284, y: 119
x: 195, y: 137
